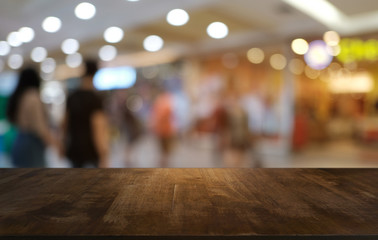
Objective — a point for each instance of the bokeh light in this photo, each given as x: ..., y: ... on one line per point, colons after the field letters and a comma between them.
x: 74, y: 60
x: 15, y: 61
x: 217, y: 30
x: 70, y: 46
x: 26, y: 34
x: 113, y: 35
x: 48, y: 65
x: 255, y: 55
x: 53, y: 93
x: 296, y: 66
x: 318, y: 56
x: 332, y: 38
x: 334, y: 50
x: 85, y: 11
x: 14, y: 39
x: 177, y: 17
x: 51, y: 24
x: 299, y: 46
x: 153, y: 43
x: 38, y: 54
x: 107, y: 53
x: 278, y: 61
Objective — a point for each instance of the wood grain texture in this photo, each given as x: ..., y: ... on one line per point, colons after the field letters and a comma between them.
x: 189, y: 202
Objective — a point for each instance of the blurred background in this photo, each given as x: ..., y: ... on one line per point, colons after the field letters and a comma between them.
x: 249, y: 83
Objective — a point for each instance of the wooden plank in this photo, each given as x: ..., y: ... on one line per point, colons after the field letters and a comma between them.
x: 189, y: 202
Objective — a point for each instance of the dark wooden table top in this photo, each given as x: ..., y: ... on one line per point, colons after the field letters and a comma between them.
x: 188, y: 203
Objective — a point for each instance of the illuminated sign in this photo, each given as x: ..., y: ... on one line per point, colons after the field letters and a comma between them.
x: 115, y: 78
x: 353, y: 50
x: 361, y: 82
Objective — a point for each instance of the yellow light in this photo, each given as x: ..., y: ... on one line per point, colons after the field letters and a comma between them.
x: 299, y: 46
x: 278, y: 61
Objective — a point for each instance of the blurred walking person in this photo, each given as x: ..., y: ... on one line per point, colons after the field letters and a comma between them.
x: 26, y: 111
x: 163, y: 125
x: 238, y: 136
x: 85, y: 127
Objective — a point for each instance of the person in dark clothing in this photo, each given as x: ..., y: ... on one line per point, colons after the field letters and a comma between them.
x: 85, y: 125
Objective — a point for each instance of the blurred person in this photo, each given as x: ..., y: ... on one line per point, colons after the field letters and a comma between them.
x: 126, y: 123
x: 300, y: 136
x: 252, y: 103
x: 85, y: 127
x: 26, y: 111
x: 238, y: 137
x: 163, y: 125
x: 132, y: 130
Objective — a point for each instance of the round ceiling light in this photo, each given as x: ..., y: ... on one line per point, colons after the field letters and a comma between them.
x: 26, y: 34
x: 153, y: 43
x: 177, y: 17
x: 85, y: 11
x: 14, y: 39
x: 107, y: 53
x: 51, y: 24
x: 15, y: 61
x: 217, y: 30
x: 70, y: 46
x: 113, y: 35
x: 38, y: 54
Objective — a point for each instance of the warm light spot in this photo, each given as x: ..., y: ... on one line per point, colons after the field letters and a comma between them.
x: 278, y: 61
x: 332, y: 38
x: 299, y: 46
x: 255, y: 55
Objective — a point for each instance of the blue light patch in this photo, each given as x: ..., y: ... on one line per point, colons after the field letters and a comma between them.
x: 115, y: 78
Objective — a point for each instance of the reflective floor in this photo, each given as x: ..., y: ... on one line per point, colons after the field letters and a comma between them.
x: 200, y: 152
